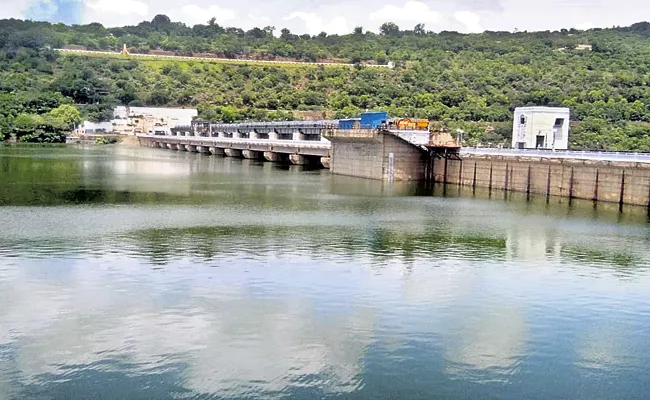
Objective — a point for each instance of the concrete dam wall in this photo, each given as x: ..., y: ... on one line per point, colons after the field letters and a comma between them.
x: 378, y: 155
x: 374, y: 155
x: 617, y: 182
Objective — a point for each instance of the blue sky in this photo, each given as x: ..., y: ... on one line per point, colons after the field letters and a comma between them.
x: 66, y: 11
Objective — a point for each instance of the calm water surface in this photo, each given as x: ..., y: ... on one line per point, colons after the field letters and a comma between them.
x: 141, y: 273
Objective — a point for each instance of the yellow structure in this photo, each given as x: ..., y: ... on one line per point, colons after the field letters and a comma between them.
x: 413, y: 124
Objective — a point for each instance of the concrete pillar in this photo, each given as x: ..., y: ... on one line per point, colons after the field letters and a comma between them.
x: 190, y: 147
x: 271, y: 156
x: 298, y: 159
x: 217, y: 151
x: 296, y: 135
x: 171, y: 146
x: 232, y: 152
x: 251, y: 154
x: 252, y: 135
x: 325, y: 161
x: 273, y: 135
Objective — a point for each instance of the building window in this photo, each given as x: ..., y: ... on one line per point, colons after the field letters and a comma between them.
x: 522, y: 120
x: 558, y: 122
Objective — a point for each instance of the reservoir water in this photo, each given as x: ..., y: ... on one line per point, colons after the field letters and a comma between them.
x: 150, y: 274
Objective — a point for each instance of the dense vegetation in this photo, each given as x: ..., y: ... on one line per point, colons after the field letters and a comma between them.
x: 472, y: 81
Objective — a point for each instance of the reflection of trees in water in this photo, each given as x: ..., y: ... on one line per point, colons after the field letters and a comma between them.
x: 432, y: 242
x: 162, y: 245
x: 624, y: 263
x: 25, y: 169
x: 381, y: 244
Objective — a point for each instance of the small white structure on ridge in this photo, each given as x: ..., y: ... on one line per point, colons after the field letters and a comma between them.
x: 541, y: 128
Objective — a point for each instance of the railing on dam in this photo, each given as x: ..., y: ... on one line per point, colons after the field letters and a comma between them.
x: 285, y: 130
x: 565, y: 154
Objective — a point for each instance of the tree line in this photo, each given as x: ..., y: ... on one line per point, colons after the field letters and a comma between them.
x: 469, y: 81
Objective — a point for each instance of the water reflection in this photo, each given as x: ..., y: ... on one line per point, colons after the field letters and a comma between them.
x: 217, y: 277
x: 489, y: 346
x: 230, y: 333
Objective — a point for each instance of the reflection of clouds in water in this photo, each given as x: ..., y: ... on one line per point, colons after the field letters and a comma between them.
x: 291, y: 348
x: 606, y: 348
x: 9, y: 385
x: 438, y: 286
x: 489, y: 345
x: 227, y: 339
x: 426, y: 295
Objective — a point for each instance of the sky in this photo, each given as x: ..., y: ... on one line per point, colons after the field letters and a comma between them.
x: 340, y: 17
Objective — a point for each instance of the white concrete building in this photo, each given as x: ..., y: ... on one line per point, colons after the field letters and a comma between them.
x: 142, y: 120
x: 95, y: 127
x: 151, y: 120
x: 174, y: 116
x: 541, y: 128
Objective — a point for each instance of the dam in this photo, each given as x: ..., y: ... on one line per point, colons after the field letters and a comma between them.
x: 394, y: 155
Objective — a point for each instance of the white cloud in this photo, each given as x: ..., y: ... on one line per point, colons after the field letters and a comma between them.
x: 585, y: 26
x: 258, y: 18
x: 316, y: 24
x: 415, y: 11
x: 123, y: 7
x: 470, y: 20
x: 13, y: 9
x: 194, y: 14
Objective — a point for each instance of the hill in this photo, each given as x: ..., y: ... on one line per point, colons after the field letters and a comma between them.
x: 473, y: 81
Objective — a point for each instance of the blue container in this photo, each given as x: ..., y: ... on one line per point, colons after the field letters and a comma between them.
x: 372, y: 120
x: 347, y: 123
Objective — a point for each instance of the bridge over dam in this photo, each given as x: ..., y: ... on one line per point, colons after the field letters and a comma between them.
x: 299, y: 143
x: 391, y: 155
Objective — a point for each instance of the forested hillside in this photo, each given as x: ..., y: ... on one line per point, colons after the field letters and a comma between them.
x: 474, y: 81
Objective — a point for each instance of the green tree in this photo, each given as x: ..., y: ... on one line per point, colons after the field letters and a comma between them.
x: 67, y: 116
x: 389, y: 29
